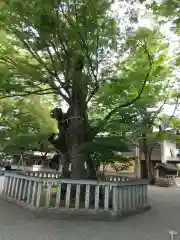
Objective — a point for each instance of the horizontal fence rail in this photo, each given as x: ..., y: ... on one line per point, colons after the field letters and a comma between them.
x: 41, y: 174
x: 116, y: 178
x: 116, y: 198
x: 55, y: 174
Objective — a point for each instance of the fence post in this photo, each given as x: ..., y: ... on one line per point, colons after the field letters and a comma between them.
x: 9, y: 187
x: 106, y: 198
x: 77, y: 199
x: 5, y: 185
x: 29, y: 191
x: 12, y: 188
x: 115, y: 199
x: 20, y: 189
x: 39, y: 192
x: 25, y: 184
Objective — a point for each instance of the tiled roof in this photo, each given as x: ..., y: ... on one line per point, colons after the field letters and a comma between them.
x: 167, y: 166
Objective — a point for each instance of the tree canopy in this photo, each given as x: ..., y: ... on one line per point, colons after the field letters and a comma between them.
x: 25, y: 125
x: 75, y: 52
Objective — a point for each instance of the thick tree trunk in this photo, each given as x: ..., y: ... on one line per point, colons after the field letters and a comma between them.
x: 77, y: 137
x: 64, y: 162
x: 74, y: 128
x: 149, y: 168
x: 91, y: 168
x: 79, y: 126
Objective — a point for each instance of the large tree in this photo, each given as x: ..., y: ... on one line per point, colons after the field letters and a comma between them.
x: 69, y: 48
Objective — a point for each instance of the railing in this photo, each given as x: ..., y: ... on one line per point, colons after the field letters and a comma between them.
x: 55, y: 174
x: 114, y: 198
x: 114, y: 178
x: 41, y: 174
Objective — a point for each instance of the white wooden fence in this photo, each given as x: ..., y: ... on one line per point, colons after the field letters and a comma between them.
x: 115, y: 198
x: 41, y: 174
x: 55, y: 174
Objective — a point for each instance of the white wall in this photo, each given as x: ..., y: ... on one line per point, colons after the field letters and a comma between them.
x: 169, y: 151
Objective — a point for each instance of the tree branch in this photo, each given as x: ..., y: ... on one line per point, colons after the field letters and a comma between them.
x: 54, y: 66
x: 174, y: 111
x: 153, y: 145
x: 128, y: 103
x: 82, y: 41
x: 27, y: 93
x: 38, y: 58
x: 96, y: 87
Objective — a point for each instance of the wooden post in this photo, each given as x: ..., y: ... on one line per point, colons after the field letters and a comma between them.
x: 141, y: 195
x: 96, y: 205
x: 106, y: 198
x: 115, y: 199
x: 120, y: 198
x: 16, y: 188
x: 34, y: 192
x: 129, y: 198
x: 9, y: 187
x: 13, y: 186
x: 25, y: 189
x: 5, y: 185
x: 20, y: 189
x: 39, y: 191
x: 29, y: 191
x: 125, y: 197
x: 145, y: 195
x: 136, y: 196
x: 133, y: 196
x: 77, y: 201
x: 48, y: 195
x: 68, y: 195
x: 58, y: 196
x: 87, y: 195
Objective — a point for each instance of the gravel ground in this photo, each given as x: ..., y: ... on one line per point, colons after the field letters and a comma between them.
x: 20, y: 224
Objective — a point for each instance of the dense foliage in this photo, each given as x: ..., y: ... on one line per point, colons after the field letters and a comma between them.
x: 77, y: 53
x: 25, y: 125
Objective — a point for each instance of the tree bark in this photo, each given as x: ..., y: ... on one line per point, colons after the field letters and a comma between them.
x: 79, y: 125
x: 74, y: 127
x: 149, y: 167
x: 91, y: 168
x: 77, y: 134
x: 147, y: 155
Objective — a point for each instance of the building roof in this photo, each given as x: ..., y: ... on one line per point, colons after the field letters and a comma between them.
x: 167, y: 166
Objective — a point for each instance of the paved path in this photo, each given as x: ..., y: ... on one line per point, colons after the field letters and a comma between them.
x: 19, y: 224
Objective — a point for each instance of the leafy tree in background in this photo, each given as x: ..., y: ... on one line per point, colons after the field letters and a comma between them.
x: 25, y: 125
x: 168, y: 12
x: 136, y: 123
x: 145, y: 126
